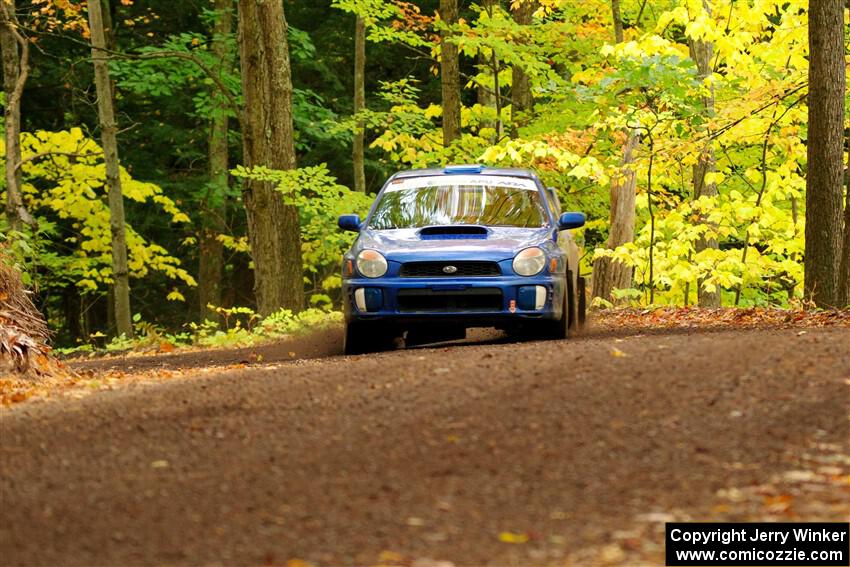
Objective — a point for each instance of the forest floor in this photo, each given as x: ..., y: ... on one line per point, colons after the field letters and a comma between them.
x: 482, y: 453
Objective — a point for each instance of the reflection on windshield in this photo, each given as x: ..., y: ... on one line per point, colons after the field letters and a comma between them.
x: 416, y: 207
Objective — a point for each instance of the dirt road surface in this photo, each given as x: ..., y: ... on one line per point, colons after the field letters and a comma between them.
x: 537, y: 453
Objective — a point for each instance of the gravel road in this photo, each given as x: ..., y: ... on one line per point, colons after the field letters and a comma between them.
x: 537, y: 453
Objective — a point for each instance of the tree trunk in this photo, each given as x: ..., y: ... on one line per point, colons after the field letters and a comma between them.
x: 449, y: 75
x: 211, y: 259
x: 210, y: 268
x: 521, y: 99
x: 618, y: 21
x: 844, y: 271
x: 484, y: 93
x: 267, y: 139
x: 824, y: 179
x: 359, y: 103
x: 15, y: 72
x: 108, y: 28
x: 106, y: 113
x: 483, y: 64
x: 497, y: 94
x: 607, y: 273
x: 701, y: 53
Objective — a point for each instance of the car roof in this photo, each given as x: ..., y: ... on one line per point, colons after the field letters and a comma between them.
x: 467, y: 169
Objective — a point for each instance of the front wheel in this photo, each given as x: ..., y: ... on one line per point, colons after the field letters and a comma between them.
x: 360, y: 338
x: 560, y: 328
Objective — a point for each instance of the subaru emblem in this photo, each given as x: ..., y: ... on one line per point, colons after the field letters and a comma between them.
x: 449, y: 269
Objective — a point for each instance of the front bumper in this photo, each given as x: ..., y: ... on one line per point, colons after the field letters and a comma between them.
x: 470, y: 302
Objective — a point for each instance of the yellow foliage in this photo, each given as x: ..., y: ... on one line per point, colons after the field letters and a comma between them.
x: 64, y: 177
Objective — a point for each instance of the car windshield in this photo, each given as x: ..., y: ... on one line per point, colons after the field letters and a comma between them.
x: 462, y: 199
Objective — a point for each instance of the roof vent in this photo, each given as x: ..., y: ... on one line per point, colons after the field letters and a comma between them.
x: 463, y: 169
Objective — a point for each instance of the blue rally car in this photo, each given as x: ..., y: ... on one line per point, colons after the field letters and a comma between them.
x: 443, y: 250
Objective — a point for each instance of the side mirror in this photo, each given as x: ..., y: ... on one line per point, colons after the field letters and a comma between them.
x: 349, y: 222
x: 570, y: 220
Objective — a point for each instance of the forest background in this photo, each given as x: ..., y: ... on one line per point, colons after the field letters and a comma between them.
x: 680, y: 127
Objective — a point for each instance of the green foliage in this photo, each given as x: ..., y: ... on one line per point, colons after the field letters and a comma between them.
x: 252, y: 330
x: 243, y: 327
x: 384, y: 21
x: 156, y: 75
x: 320, y: 201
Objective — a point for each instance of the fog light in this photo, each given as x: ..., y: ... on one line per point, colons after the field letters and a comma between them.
x: 531, y: 297
x: 368, y: 299
x: 540, y: 297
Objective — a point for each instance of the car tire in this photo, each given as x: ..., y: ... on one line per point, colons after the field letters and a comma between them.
x: 572, y: 320
x: 353, y: 339
x: 362, y: 339
x: 559, y: 328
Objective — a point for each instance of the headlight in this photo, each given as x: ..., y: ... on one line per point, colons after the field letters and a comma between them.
x: 529, y: 262
x: 371, y: 263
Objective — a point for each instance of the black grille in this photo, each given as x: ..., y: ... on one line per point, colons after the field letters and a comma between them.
x: 426, y: 300
x: 462, y: 269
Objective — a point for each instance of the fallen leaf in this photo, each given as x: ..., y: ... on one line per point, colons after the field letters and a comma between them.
x: 425, y: 562
x: 612, y: 554
x: 388, y: 556
x: 780, y: 503
x: 510, y: 537
x: 800, y: 476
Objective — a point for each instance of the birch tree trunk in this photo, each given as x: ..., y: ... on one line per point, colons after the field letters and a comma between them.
x: 267, y: 139
x: 15, y: 52
x: 357, y: 156
x: 449, y: 75
x: 521, y: 99
x: 106, y: 113
x: 825, y: 156
x: 607, y: 273
x: 211, y: 260
x: 701, y: 53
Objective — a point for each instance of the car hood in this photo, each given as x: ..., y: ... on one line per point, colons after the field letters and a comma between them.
x: 403, y: 245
